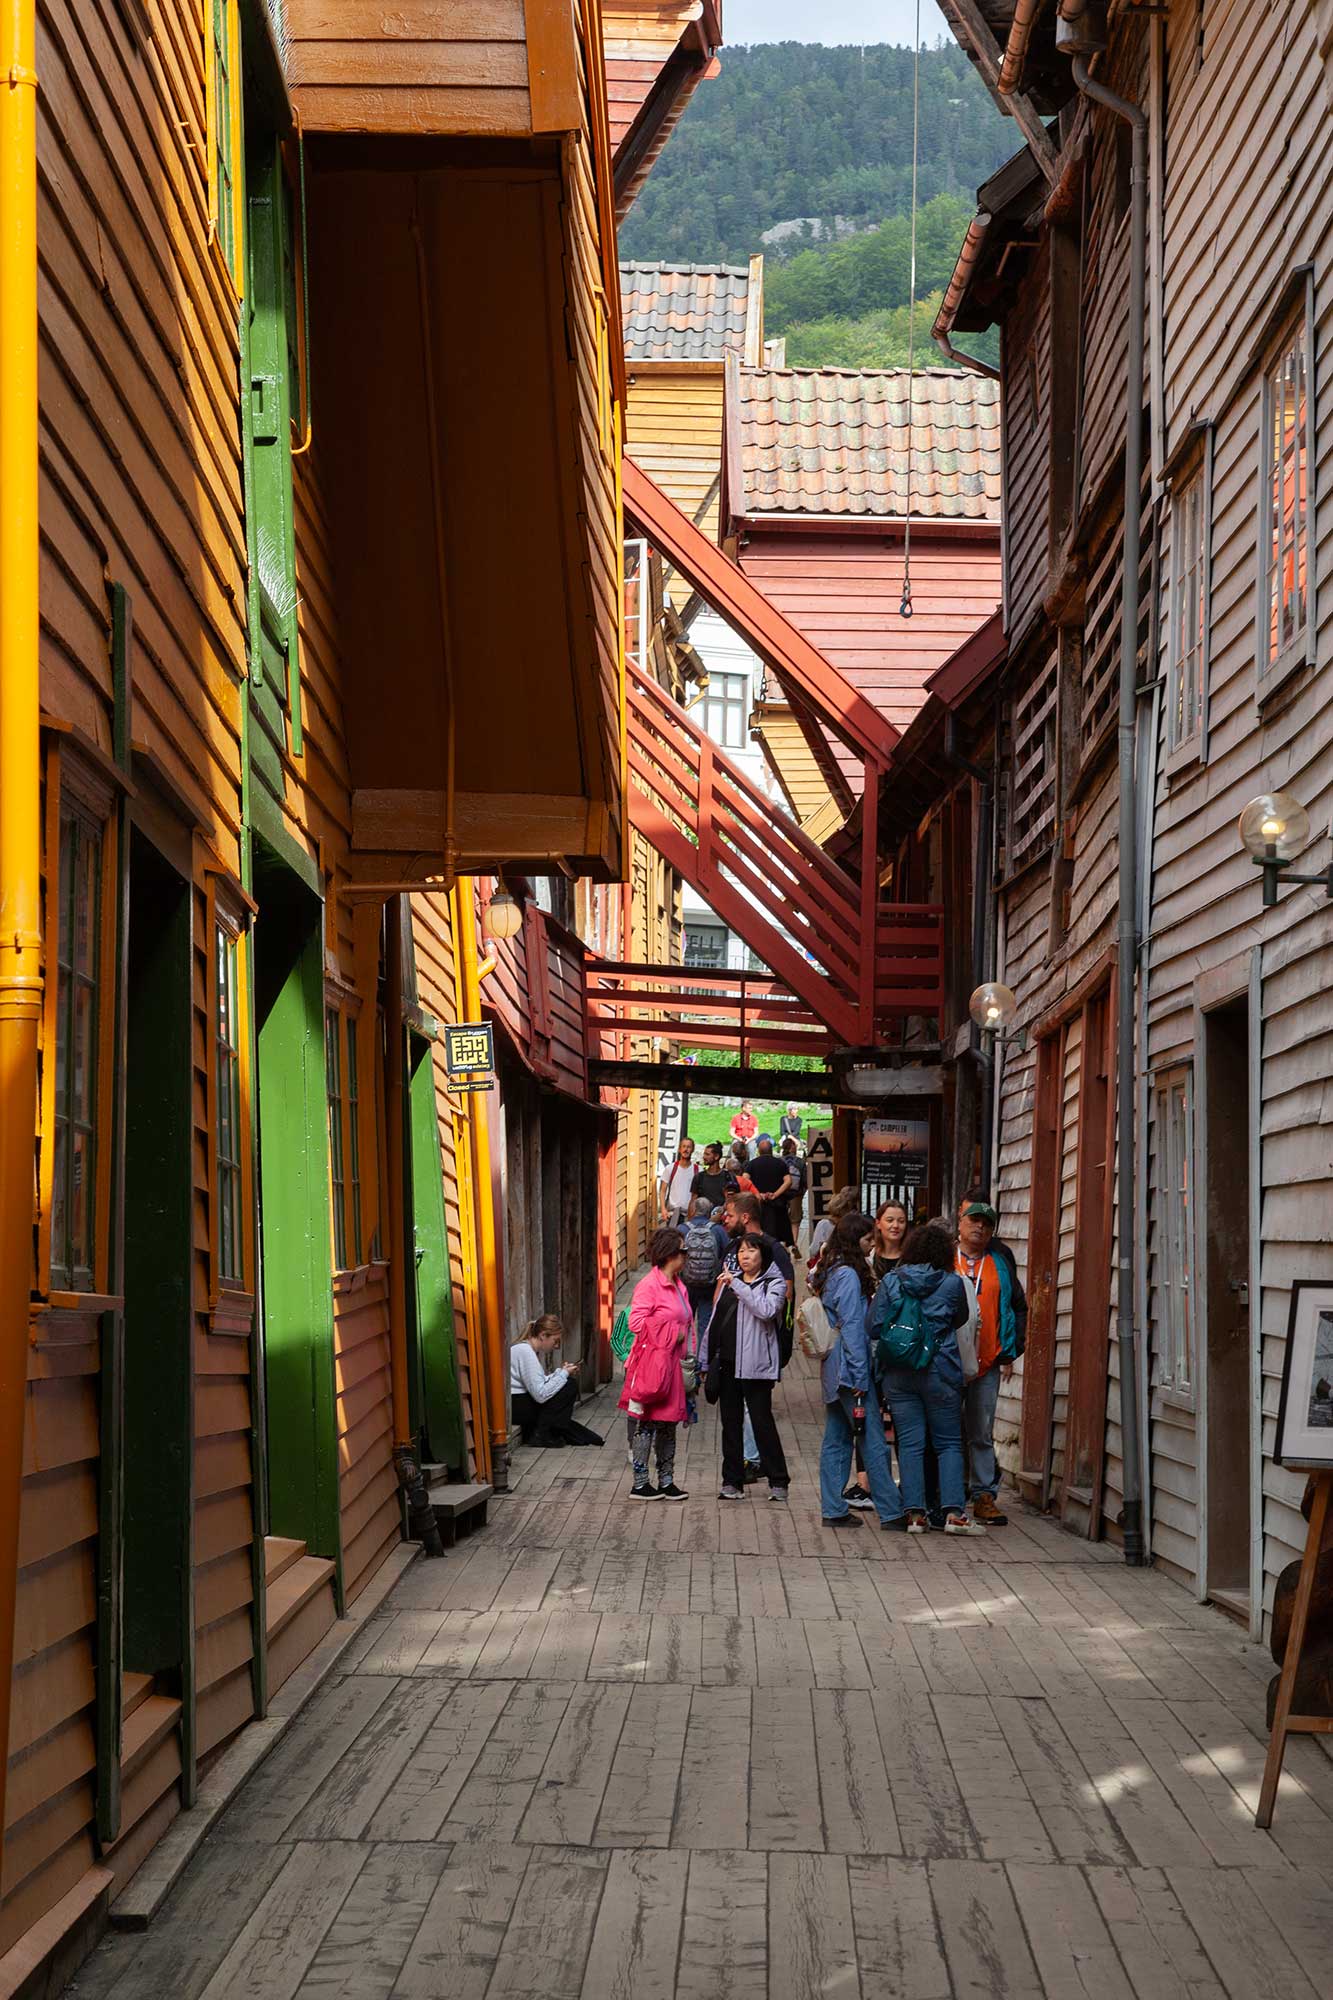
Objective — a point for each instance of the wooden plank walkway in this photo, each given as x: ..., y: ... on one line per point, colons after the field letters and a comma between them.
x: 716, y: 1751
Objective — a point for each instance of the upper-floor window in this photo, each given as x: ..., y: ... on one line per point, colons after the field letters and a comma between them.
x: 1286, y: 480
x: 223, y: 113
x: 1188, y: 649
x: 1173, y: 1263
x: 77, y: 1011
x: 726, y: 709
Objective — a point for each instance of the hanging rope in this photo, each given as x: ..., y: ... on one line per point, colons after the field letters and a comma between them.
x: 905, y: 607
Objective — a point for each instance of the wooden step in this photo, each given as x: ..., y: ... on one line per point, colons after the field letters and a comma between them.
x: 301, y: 1609
x: 134, y: 1690
x: 280, y: 1552
x: 460, y: 1508
x: 293, y: 1590
x: 148, y: 1725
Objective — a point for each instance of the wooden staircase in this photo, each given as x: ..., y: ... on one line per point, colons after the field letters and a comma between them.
x: 299, y: 1605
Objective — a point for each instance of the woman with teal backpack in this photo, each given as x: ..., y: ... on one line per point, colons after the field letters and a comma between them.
x: 914, y: 1324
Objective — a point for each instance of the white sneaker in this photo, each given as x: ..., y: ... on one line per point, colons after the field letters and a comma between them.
x: 731, y: 1493
x: 777, y: 1493
x: 962, y: 1524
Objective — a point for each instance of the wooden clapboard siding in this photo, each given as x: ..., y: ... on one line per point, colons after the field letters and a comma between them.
x: 460, y: 68
x: 438, y: 993
x: 1222, y: 282
x: 673, y: 433
x: 1026, y: 449
x: 638, y: 37
x: 1026, y: 918
x: 50, y: 1795
x: 367, y: 1486
x: 844, y: 592
x: 791, y: 759
x: 1106, y: 273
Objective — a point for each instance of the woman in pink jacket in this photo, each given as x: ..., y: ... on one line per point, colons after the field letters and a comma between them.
x: 661, y: 1321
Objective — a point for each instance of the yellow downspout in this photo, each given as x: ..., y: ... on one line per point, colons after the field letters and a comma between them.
x: 20, y: 762
x: 492, y: 1327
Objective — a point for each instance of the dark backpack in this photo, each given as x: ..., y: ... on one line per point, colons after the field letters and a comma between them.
x: 906, y: 1341
x: 702, y: 1262
x: 786, y: 1335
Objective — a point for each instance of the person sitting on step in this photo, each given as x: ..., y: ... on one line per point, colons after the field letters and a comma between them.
x: 542, y: 1404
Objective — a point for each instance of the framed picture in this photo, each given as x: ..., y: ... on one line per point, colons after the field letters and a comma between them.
x: 1305, y: 1414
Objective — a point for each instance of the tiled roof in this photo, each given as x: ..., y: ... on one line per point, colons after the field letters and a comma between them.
x: 683, y: 312
x: 835, y: 441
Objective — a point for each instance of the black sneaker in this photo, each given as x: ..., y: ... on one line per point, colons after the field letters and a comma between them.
x: 897, y: 1526
x: 672, y: 1492
x: 643, y: 1493
x: 753, y: 1471
x: 858, y: 1498
x: 842, y: 1520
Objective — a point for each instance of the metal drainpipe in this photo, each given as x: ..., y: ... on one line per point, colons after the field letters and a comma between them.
x: 21, y: 982
x: 1136, y: 119
x: 985, y: 1067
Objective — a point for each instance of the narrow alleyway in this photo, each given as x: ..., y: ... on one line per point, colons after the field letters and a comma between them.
x: 720, y: 1753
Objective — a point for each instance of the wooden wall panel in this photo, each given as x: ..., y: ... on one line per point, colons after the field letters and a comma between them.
x: 673, y: 433
x: 1026, y: 447
x: 357, y: 67
x: 367, y: 1485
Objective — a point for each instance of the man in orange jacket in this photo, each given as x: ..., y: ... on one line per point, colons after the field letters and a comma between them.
x: 1002, y: 1317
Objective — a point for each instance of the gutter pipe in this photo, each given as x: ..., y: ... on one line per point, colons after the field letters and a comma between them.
x: 1127, y: 955
x: 21, y: 974
x: 953, y: 298
x: 1016, y: 47
x: 488, y: 1269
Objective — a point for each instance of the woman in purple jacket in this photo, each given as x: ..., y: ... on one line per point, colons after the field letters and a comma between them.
x: 749, y: 1366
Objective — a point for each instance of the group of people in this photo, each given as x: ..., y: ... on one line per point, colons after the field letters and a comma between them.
x: 921, y: 1328
x: 776, y: 1176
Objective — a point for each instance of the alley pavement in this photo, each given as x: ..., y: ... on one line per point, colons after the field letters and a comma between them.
x: 610, y: 1750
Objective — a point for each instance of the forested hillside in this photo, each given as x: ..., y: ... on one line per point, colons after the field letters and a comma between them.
x: 798, y: 132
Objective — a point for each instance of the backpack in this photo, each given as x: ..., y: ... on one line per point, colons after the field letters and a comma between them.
x: 816, y: 1336
x: 796, y: 1168
x: 786, y: 1335
x: 906, y: 1342
x: 702, y: 1261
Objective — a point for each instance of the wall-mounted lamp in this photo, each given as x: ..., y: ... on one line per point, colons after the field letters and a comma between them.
x: 993, y: 1007
x: 1273, y: 831
x: 503, y: 916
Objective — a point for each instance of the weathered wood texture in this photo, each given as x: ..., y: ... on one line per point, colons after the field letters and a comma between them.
x: 460, y: 68
x: 367, y: 1486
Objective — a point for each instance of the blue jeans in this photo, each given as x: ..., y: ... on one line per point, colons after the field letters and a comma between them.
x: 928, y: 1402
x: 979, y: 1401
x: 835, y: 1459
x: 701, y: 1303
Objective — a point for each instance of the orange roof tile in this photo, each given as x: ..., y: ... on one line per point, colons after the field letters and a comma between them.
x: 683, y: 312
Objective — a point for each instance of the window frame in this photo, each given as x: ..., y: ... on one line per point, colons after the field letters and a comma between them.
x: 1273, y: 669
x: 75, y: 789
x: 1173, y: 1273
x: 342, y: 1057
x: 1195, y: 485
x: 224, y: 146
x: 228, y: 914
x: 726, y: 702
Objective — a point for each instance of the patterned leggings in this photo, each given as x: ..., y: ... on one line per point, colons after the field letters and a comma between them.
x: 641, y: 1440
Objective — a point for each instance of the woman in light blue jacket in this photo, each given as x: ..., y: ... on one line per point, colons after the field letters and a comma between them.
x: 845, y: 1284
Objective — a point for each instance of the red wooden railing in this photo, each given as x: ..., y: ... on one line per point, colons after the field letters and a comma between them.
x: 854, y: 965
x: 745, y: 1012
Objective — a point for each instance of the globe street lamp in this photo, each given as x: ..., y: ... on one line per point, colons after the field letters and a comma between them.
x: 1273, y: 830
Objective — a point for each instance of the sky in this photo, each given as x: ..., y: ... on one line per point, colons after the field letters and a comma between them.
x: 830, y: 21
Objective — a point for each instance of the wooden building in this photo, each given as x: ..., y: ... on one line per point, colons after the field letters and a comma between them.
x: 283, y: 666
x: 823, y: 469
x: 1233, y: 691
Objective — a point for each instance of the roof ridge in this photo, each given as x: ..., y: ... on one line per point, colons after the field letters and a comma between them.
x: 686, y: 270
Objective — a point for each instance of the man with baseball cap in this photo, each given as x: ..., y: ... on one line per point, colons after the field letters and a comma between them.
x: 1002, y: 1317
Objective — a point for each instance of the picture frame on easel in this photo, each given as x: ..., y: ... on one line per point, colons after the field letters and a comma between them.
x: 1305, y: 1412
x: 1304, y: 1442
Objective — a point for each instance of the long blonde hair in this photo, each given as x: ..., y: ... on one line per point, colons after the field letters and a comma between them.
x: 542, y: 1326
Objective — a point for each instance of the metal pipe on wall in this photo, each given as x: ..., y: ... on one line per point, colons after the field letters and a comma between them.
x: 21, y: 978
x: 483, y: 1189
x: 1128, y: 884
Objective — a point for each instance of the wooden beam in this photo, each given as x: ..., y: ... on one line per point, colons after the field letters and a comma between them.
x: 811, y: 1086
x: 742, y: 606
x: 969, y: 25
x: 403, y: 820
x: 553, y: 77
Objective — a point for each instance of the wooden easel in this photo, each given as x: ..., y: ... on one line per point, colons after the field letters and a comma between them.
x: 1284, y: 1722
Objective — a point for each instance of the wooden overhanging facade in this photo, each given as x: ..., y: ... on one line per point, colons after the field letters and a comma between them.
x: 465, y: 335
x: 1233, y: 677
x: 657, y: 54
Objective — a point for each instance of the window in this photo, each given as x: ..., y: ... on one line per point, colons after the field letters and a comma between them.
x: 340, y: 1067
x: 705, y: 945
x: 726, y: 709
x: 228, y: 1124
x: 1188, y: 656
x: 223, y: 111
x: 1286, y: 461
x: 78, y: 977
x: 1174, y: 1259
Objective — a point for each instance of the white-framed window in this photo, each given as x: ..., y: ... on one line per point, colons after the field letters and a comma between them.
x: 1187, y: 669
x: 1174, y: 1261
x: 726, y: 709
x: 1285, y: 622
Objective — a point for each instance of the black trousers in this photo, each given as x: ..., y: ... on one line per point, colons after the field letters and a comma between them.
x: 539, y: 1421
x: 756, y: 1397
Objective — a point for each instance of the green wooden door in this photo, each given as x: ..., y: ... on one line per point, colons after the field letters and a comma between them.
x: 296, y: 1258
x: 438, y: 1412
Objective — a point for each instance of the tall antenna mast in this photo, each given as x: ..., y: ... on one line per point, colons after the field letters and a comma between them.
x: 905, y: 607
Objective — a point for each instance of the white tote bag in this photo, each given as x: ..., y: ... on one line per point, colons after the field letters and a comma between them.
x: 967, y: 1335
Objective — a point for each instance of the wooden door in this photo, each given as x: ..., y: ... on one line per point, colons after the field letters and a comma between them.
x: 1224, y: 1446
x: 1085, y: 1442
x: 439, y: 1413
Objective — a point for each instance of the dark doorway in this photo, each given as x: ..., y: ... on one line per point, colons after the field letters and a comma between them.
x: 1085, y: 1444
x: 1226, y: 1439
x: 158, y: 1369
